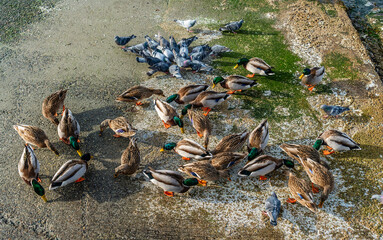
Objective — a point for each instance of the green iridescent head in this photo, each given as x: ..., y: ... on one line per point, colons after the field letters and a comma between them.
x: 306, y: 71
x: 185, y: 110
x: 190, y: 182
x: 169, y: 146
x: 252, y: 154
x: 317, y: 144
x: 172, y: 98
x: 180, y: 123
x: 288, y: 163
x: 242, y: 61
x: 217, y: 80
x: 38, y: 189
x: 73, y: 142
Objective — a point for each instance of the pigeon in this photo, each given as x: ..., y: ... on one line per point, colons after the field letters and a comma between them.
x: 163, y: 42
x: 168, y: 53
x: 149, y: 60
x: 158, y: 54
x: 187, y: 41
x: 184, y: 52
x: 378, y: 197
x: 217, y: 49
x: 200, y: 52
x: 175, y: 71
x: 180, y: 61
x: 152, y: 43
x: 232, y: 26
x: 333, y: 111
x: 159, y: 67
x: 273, y: 207
x: 186, y: 23
x: 123, y: 40
x: 137, y: 48
x: 173, y: 44
x: 200, y: 66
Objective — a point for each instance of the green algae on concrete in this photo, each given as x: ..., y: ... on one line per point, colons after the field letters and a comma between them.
x: 339, y: 66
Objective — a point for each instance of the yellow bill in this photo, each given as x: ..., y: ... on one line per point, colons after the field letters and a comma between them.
x: 213, y: 85
x: 162, y: 149
x: 301, y: 76
x: 79, y: 152
x: 182, y: 130
x: 44, y: 198
x: 236, y: 66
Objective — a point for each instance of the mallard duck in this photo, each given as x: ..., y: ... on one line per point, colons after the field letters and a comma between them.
x: 137, y: 93
x: 130, y: 159
x: 207, y: 100
x: 258, y: 139
x: 311, y: 77
x: 236, y: 83
x: 120, y: 126
x: 35, y: 136
x: 171, y: 181
x: 71, y: 171
x: 201, y: 124
x: 299, y: 152
x: 256, y: 66
x: 52, y: 104
x: 29, y: 169
x: 336, y: 141
x: 320, y: 176
x: 300, y: 189
x: 263, y: 165
x: 231, y: 143
x: 168, y: 115
x: 226, y: 160
x: 188, y: 149
x: 68, y: 127
x: 203, y: 170
x: 187, y: 94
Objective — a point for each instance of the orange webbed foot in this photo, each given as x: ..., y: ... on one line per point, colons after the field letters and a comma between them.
x: 199, y: 134
x: 80, y: 179
x: 291, y: 200
x: 262, y: 178
x: 169, y: 194
x: 311, y: 88
x: 116, y: 136
x: 250, y: 75
x: 202, y: 183
x: 166, y: 125
x: 38, y: 179
x: 185, y: 158
x: 230, y: 92
x: 314, y: 189
x: 139, y: 103
x: 325, y: 152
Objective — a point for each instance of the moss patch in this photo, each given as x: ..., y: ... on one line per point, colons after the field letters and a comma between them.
x: 339, y: 66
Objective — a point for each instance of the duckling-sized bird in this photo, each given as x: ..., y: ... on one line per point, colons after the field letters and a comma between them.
x: 123, y: 40
x: 232, y: 26
x: 130, y: 159
x: 320, y: 176
x: 231, y: 143
x: 29, y: 168
x: 236, y: 83
x: 53, y: 104
x: 186, y: 23
x: 120, y: 126
x: 201, y: 124
x: 138, y: 93
x: 256, y: 66
x: 303, y: 152
x: 263, y: 165
x: 311, y: 77
x: 187, y: 94
x: 204, y: 170
x: 207, y: 100
x: 171, y: 181
x: 226, y: 160
x: 258, y: 139
x: 333, y: 111
x: 168, y: 115
x: 336, y: 141
x: 35, y: 136
x: 272, y: 208
x: 300, y: 189
x: 68, y: 127
x: 72, y: 171
x: 188, y: 149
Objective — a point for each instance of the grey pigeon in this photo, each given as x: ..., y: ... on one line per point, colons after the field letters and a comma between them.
x: 173, y: 44
x: 137, y: 48
x: 149, y: 60
x: 159, y: 67
x: 180, y: 61
x: 163, y: 42
x: 200, y: 52
x: 153, y: 44
x: 168, y: 53
x: 272, y: 208
x: 186, y: 23
x: 200, y: 66
x: 175, y: 71
x: 217, y: 49
x: 123, y: 40
x: 160, y: 55
x: 184, y: 52
x: 187, y: 41
x: 378, y: 197
x: 232, y: 26
x: 333, y: 110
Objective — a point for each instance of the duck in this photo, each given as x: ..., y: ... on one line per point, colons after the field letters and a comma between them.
x: 258, y: 139
x: 35, y: 136
x: 120, y: 126
x: 303, y: 152
x: 336, y: 141
x: 130, y: 159
x: 235, y: 83
x: 201, y: 124
x: 256, y: 66
x: 226, y: 160
x: 171, y: 181
x: 311, y: 77
x: 203, y: 170
x: 29, y: 168
x: 137, y: 93
x: 168, y: 115
x: 207, y: 100
x: 187, y: 94
x: 300, y: 189
x: 231, y: 143
x: 68, y: 126
x: 320, y: 176
x: 52, y: 104
x: 263, y: 165
x: 70, y: 172
x: 188, y: 149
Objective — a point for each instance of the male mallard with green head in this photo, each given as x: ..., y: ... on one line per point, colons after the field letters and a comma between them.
x: 188, y: 149
x: 69, y: 130
x: 187, y: 94
x: 256, y: 66
x: 168, y: 115
x: 235, y: 83
x: 311, y: 77
x: 336, y: 141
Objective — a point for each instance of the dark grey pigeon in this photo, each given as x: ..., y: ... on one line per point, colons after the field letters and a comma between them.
x: 173, y: 44
x: 149, y: 60
x: 158, y: 54
x: 175, y: 71
x: 200, y: 66
x: 159, y: 67
x: 153, y: 44
x: 137, y: 48
x: 272, y: 208
x: 123, y: 40
x: 232, y: 26
x: 168, y: 53
x: 186, y: 23
x: 334, y: 110
x: 200, y: 52
x: 187, y: 41
x: 217, y: 49
x: 181, y: 62
x: 163, y: 42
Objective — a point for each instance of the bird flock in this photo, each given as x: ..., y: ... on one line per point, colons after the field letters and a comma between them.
x: 212, y: 164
